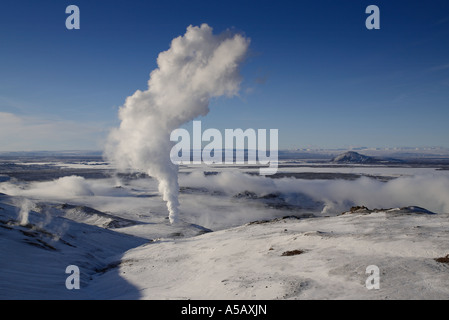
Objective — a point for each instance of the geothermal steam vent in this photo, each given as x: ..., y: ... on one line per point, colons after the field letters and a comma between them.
x: 198, y: 66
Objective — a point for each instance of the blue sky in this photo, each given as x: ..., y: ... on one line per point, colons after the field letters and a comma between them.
x: 314, y: 71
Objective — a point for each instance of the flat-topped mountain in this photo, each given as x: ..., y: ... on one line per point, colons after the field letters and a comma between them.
x: 354, y: 157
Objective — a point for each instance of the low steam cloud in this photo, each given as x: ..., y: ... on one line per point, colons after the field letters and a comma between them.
x: 430, y: 191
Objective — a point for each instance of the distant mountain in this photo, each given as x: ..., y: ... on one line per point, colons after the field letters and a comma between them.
x: 354, y: 157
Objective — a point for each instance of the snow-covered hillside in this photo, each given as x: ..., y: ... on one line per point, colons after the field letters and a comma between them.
x: 284, y: 258
x: 252, y: 261
x: 34, y: 255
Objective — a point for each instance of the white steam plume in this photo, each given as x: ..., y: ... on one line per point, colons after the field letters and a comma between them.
x: 197, y: 67
x: 26, y: 206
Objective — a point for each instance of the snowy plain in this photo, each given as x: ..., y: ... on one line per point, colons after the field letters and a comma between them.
x: 235, y: 230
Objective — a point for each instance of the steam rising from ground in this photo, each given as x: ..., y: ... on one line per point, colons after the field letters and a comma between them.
x: 430, y: 191
x: 25, y: 205
x: 213, y: 210
x: 197, y: 67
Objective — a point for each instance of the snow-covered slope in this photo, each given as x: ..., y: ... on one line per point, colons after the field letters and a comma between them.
x: 284, y: 258
x: 252, y: 261
x: 36, y: 250
x: 34, y: 255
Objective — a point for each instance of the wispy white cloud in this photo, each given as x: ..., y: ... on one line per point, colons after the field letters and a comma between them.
x: 30, y: 133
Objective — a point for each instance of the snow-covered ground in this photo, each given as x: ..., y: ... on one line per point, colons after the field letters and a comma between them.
x: 234, y: 237
x: 247, y: 262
